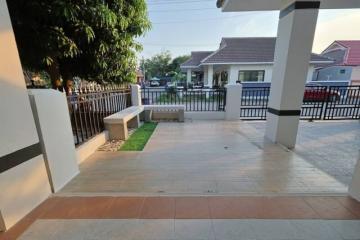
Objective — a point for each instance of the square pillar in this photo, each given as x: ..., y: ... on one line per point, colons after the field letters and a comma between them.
x: 135, y: 95
x: 205, y: 77
x: 354, y: 189
x: 24, y: 182
x: 210, y: 76
x: 233, y: 74
x: 233, y: 101
x: 188, y: 76
x: 291, y: 63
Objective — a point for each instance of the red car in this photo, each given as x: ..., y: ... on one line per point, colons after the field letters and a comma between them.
x: 320, y: 95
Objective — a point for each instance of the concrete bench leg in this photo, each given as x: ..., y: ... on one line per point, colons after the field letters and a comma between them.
x: 135, y: 122
x: 117, y: 131
x: 181, y: 115
x: 147, y: 115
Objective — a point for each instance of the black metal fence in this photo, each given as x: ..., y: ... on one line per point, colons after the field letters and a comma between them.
x: 345, y: 106
x: 320, y: 103
x: 88, y: 109
x: 254, y: 103
x: 194, y: 100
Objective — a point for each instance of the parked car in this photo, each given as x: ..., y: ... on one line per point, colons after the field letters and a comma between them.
x: 154, y: 84
x: 320, y: 94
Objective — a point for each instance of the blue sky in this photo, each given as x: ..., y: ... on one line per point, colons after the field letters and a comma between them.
x: 182, y: 26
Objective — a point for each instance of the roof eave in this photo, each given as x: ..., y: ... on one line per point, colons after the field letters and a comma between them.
x: 256, y: 63
x: 185, y: 67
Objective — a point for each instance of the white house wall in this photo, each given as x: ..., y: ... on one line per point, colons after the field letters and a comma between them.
x: 234, y: 71
x: 333, y: 74
x: 23, y: 184
x: 355, y: 76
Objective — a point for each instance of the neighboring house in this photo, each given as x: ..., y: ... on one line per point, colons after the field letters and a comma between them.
x: 346, y: 66
x: 249, y: 60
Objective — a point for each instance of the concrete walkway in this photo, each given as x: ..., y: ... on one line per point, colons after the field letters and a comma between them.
x: 225, y: 158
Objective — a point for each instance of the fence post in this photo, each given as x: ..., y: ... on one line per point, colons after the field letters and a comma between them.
x: 233, y: 101
x: 135, y: 95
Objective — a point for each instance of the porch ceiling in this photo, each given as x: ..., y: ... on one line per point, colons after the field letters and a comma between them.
x: 268, y: 5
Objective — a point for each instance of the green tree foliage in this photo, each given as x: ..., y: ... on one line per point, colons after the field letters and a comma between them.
x: 92, y: 39
x: 162, y: 64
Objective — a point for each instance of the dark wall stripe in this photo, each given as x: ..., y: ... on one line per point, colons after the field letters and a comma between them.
x: 299, y: 5
x: 284, y: 112
x: 16, y: 158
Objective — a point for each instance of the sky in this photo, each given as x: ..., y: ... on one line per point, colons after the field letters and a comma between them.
x: 182, y: 26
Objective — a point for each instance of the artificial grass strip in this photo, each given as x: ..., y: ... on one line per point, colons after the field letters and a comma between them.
x: 139, y: 138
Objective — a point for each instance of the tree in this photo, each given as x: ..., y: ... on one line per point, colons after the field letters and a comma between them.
x: 161, y: 65
x: 158, y: 65
x: 176, y: 62
x: 93, y: 39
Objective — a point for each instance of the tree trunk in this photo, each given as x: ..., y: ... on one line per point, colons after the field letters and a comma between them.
x: 67, y: 85
x: 67, y: 78
x: 55, y: 76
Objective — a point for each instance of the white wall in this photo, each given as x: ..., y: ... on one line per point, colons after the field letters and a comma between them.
x: 51, y: 113
x: 26, y: 185
x: 333, y: 73
x: 355, y: 76
x: 234, y: 71
x: 90, y: 146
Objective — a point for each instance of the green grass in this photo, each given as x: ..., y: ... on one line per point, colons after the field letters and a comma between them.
x: 139, y: 138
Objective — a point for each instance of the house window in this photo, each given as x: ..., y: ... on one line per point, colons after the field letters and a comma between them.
x: 342, y: 71
x: 252, y: 76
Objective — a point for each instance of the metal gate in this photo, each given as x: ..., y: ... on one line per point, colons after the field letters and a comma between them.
x: 320, y: 103
x: 344, y: 103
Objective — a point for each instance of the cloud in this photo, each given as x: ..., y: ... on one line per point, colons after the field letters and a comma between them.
x: 343, y: 27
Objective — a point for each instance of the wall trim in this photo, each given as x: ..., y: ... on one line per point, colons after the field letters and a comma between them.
x: 299, y: 5
x: 20, y: 156
x: 284, y: 112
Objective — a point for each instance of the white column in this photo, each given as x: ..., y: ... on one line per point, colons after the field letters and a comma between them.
x: 292, y: 56
x: 135, y: 95
x: 23, y: 179
x: 233, y: 74
x: 233, y: 100
x: 210, y: 76
x: 354, y: 189
x: 205, y: 79
x: 188, y: 76
x: 219, y: 80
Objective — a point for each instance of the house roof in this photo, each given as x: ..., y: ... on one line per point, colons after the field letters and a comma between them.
x: 352, y: 57
x: 241, y: 51
x: 249, y: 50
x: 196, y: 58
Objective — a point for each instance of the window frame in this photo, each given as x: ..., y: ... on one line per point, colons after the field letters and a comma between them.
x: 249, y: 71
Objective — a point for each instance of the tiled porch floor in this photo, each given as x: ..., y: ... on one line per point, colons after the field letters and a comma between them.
x: 185, y: 218
x: 225, y: 158
x: 170, y: 229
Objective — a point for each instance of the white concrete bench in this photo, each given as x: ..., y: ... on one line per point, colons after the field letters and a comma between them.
x: 117, y: 124
x: 164, y: 112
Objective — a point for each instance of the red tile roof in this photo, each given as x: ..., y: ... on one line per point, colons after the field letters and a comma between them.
x: 353, y: 54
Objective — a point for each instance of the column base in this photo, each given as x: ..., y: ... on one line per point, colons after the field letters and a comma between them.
x: 282, y: 129
x: 354, y: 189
